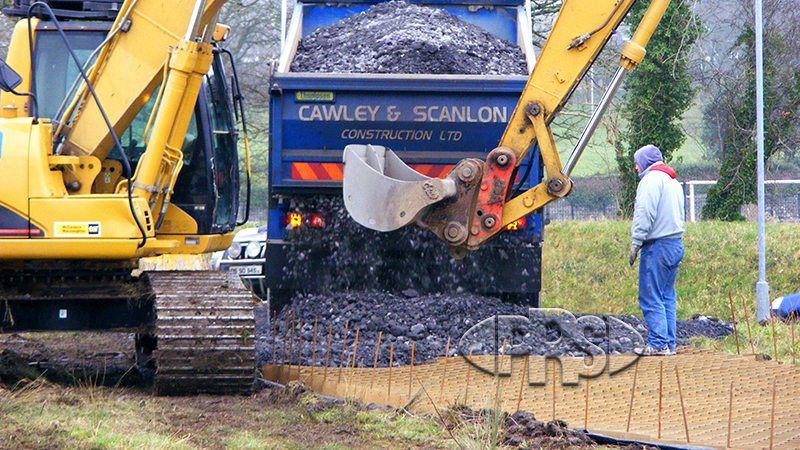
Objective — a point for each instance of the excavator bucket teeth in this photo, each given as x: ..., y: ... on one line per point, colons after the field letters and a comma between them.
x: 382, y: 193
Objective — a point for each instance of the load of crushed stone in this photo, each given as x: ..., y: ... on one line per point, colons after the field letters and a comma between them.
x: 428, y: 321
x: 397, y: 37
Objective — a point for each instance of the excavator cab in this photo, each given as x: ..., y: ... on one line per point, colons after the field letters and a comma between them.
x: 196, y: 210
x: 209, y: 181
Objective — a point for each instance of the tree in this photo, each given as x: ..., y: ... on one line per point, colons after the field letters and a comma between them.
x: 736, y: 109
x: 658, y: 92
x: 254, y: 42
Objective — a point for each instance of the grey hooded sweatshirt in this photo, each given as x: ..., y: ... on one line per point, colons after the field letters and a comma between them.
x: 659, y: 209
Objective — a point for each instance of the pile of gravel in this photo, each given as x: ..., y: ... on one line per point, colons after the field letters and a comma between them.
x: 428, y: 321
x: 398, y: 37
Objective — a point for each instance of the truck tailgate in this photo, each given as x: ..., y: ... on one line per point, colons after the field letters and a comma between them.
x: 431, y: 121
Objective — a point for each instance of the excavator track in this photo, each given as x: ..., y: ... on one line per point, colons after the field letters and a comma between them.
x: 205, y: 330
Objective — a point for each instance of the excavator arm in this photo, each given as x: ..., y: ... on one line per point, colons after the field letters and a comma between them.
x: 125, y: 76
x: 474, y: 202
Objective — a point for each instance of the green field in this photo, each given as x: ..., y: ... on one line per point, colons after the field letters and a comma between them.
x: 585, y: 266
x: 585, y: 270
x: 599, y: 157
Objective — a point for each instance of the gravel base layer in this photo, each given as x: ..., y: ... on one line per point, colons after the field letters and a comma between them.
x: 428, y: 321
x: 397, y: 37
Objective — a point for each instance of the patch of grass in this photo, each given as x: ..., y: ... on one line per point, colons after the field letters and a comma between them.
x: 385, y: 425
x: 74, y: 418
x: 380, y: 425
x: 762, y: 342
x: 41, y: 415
x: 585, y: 268
x: 249, y: 440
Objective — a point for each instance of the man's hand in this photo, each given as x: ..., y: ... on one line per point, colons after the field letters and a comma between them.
x: 633, y: 254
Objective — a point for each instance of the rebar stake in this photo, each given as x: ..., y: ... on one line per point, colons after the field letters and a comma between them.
x: 469, y: 377
x: 355, y: 348
x: 313, y: 351
x: 733, y: 321
x: 288, y: 340
x: 772, y: 415
x: 355, y: 356
x: 375, y: 363
x: 327, y: 355
x: 283, y: 342
x: 497, y: 390
x: 342, y: 362
x: 389, y: 389
x: 274, y: 338
x: 730, y: 414
x: 683, y: 407
x: 291, y: 346
x: 633, y: 392
x: 660, y: 393
x: 522, y: 381
x: 749, y: 332
x: 774, y: 340
x: 299, y: 347
x: 411, y: 371
x: 444, y: 370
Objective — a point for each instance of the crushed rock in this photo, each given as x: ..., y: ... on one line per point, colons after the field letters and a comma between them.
x: 398, y: 37
x: 428, y: 321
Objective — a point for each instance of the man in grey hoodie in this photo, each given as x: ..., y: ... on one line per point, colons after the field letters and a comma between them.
x: 657, y: 231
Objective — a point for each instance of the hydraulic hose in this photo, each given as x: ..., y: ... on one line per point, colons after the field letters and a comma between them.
x: 125, y: 162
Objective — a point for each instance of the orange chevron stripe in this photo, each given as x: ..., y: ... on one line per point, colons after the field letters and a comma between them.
x: 334, y: 171
x: 304, y: 172
x: 313, y: 171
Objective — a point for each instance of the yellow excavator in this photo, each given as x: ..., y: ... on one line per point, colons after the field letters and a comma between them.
x: 475, y: 201
x: 118, y: 141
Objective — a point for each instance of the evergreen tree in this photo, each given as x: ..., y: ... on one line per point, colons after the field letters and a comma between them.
x: 658, y: 92
x: 737, y: 173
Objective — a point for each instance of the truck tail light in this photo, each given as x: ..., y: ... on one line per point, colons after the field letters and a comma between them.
x: 317, y: 221
x: 294, y: 220
x: 517, y: 225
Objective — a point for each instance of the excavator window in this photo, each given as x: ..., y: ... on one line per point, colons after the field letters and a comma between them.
x: 224, y: 160
x: 55, y: 70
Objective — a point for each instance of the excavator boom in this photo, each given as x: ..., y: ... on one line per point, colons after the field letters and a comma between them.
x: 474, y: 202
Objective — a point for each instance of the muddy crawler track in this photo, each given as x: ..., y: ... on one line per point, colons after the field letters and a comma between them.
x: 205, y: 326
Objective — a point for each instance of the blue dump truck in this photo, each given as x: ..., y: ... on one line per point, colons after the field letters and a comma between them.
x: 432, y: 122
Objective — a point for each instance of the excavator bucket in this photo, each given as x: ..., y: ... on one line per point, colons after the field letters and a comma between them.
x: 382, y: 193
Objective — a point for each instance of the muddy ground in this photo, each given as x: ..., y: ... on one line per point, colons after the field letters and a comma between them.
x: 42, y: 415
x: 73, y: 358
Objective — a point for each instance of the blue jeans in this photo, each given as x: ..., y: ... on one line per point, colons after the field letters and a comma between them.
x: 658, y: 269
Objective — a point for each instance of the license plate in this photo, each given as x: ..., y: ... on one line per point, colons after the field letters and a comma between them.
x: 247, y: 270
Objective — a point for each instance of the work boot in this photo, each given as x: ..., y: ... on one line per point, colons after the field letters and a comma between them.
x: 650, y: 351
